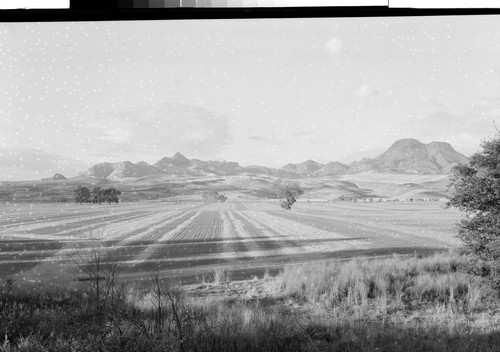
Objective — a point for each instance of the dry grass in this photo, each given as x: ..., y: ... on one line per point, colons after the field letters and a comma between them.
x: 393, y: 304
x: 420, y: 292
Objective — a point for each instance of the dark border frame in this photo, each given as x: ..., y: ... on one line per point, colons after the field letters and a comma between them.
x: 73, y: 15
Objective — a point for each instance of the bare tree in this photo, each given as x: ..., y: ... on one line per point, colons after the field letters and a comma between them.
x: 97, y: 270
x: 168, y: 301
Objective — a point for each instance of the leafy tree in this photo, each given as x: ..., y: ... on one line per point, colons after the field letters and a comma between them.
x: 111, y: 195
x: 97, y: 196
x: 82, y: 194
x: 477, y: 195
x: 210, y: 196
x: 288, y: 192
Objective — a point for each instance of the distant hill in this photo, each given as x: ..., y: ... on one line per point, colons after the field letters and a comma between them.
x: 332, y: 168
x: 413, y: 156
x: 403, y: 156
x: 306, y: 168
x: 365, y: 164
x: 178, y: 164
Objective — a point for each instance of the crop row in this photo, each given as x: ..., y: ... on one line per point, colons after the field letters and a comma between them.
x: 37, y: 217
x: 284, y: 240
x: 206, y: 226
x: 149, y: 239
x: 23, y: 249
x: 257, y: 233
x: 74, y: 228
x: 182, y: 243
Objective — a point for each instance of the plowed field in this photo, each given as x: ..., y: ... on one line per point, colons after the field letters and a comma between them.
x: 38, y: 241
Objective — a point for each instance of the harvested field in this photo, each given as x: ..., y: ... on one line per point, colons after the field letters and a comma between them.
x: 37, y: 242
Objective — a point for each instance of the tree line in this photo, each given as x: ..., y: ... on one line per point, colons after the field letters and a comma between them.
x: 97, y: 195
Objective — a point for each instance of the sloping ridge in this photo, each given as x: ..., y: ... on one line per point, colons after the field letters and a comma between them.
x: 332, y: 168
x: 308, y: 167
x: 122, y: 169
x: 411, y: 155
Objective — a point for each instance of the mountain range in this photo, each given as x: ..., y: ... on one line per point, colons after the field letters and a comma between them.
x: 403, y: 156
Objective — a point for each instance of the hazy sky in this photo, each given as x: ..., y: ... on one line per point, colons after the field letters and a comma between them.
x: 265, y: 92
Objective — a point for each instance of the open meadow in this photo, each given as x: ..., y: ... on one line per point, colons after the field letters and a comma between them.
x: 42, y: 242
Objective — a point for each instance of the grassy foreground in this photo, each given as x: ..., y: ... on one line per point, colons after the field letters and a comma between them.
x: 393, y: 304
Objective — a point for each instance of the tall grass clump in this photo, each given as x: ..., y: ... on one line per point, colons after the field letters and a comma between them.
x: 390, y: 283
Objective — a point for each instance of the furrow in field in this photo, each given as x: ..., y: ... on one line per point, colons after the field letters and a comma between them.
x: 232, y: 241
x: 152, y: 231
x: 284, y: 239
x: 309, y: 238
x: 206, y: 226
x: 256, y: 231
x: 65, y: 217
x: 99, y: 230
x: 420, y: 224
x: 375, y: 237
x: 142, y: 243
x: 242, y: 235
x: 42, y: 226
x: 114, y: 248
x: 203, y: 236
x: 83, y: 233
x: 257, y: 259
x: 65, y: 249
x: 424, y: 224
x: 121, y: 231
x: 92, y: 222
x: 29, y: 250
x: 159, y: 244
x: 265, y: 245
x: 30, y: 218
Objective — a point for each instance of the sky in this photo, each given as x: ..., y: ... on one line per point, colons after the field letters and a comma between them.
x: 256, y: 91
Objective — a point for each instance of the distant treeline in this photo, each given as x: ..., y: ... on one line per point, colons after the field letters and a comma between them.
x: 97, y: 195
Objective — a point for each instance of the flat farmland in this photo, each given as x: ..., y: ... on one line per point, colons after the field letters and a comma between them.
x: 40, y: 241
